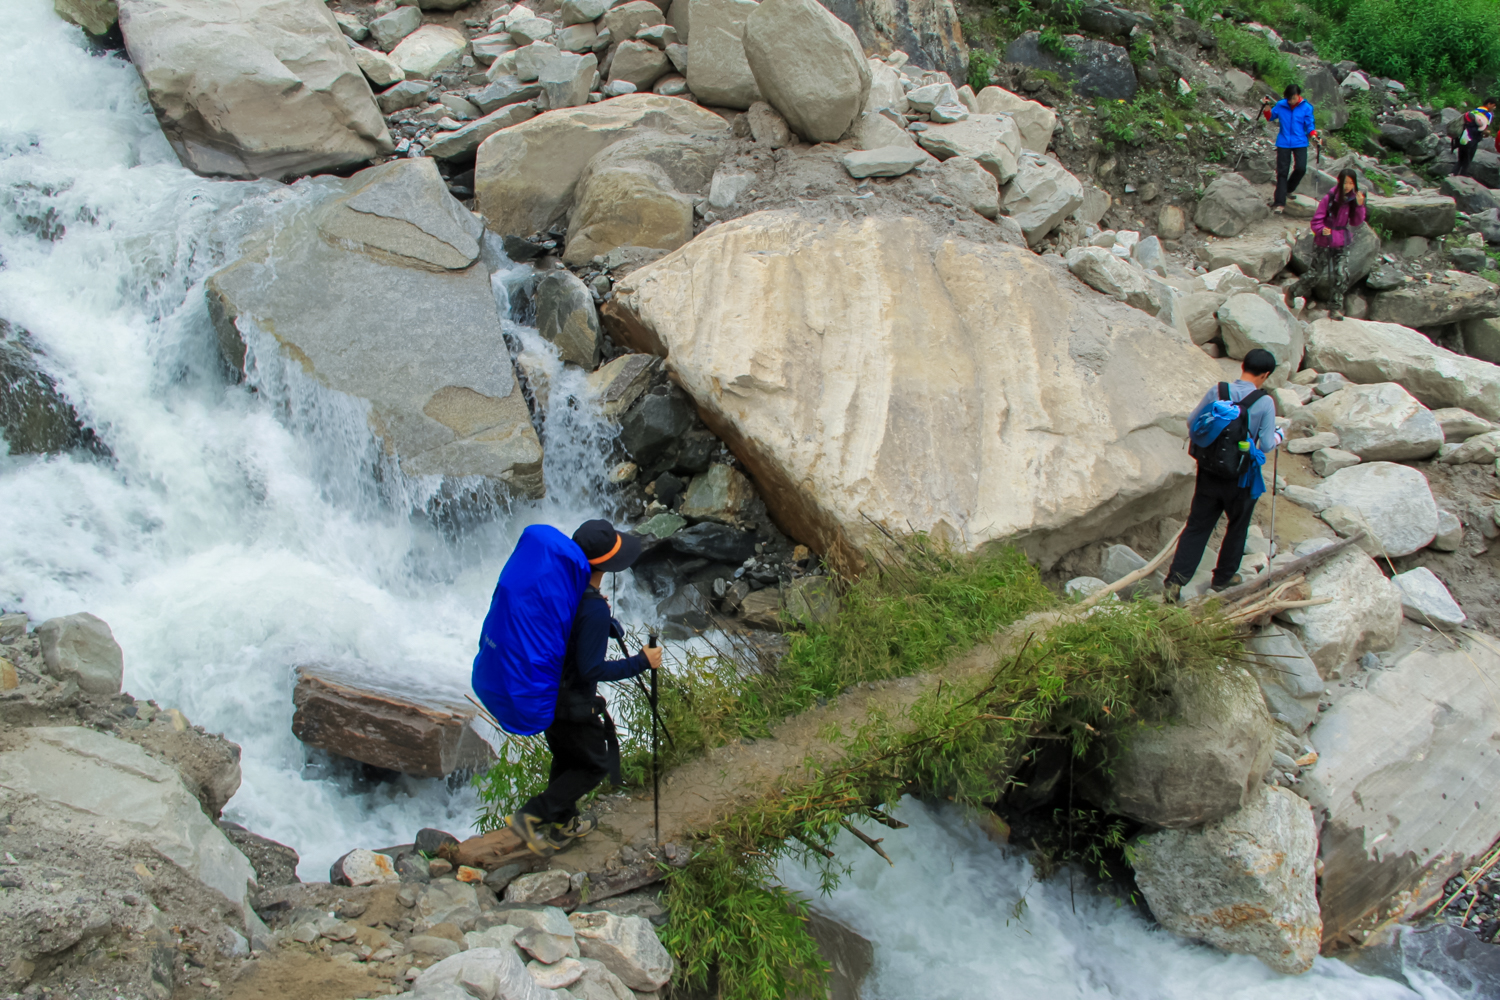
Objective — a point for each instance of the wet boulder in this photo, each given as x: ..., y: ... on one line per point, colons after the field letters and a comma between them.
x: 261, y: 88
x: 384, y: 723
x: 35, y: 417
x: 377, y: 292
x: 81, y: 648
x: 1245, y: 883
x: 565, y: 315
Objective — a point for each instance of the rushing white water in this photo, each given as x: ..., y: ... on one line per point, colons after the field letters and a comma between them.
x: 945, y: 927
x: 235, y: 534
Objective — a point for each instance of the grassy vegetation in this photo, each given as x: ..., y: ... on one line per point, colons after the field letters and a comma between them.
x: 1418, y: 41
x: 1152, y: 116
x: 961, y: 741
x: 909, y: 614
x: 1251, y: 51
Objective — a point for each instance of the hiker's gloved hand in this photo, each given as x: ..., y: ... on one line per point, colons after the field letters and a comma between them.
x: 653, y: 656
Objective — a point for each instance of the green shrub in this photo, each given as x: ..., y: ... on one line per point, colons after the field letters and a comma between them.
x: 1151, y: 116
x: 1419, y: 41
x: 1250, y: 51
x: 1051, y: 40
x: 981, y: 68
x: 1361, y: 121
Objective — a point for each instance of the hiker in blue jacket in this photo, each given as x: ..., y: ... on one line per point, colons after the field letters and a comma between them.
x: 1294, y: 118
x: 1233, y: 497
x: 585, y: 748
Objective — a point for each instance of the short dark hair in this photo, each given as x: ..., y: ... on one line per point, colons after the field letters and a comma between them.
x: 1259, y: 362
x: 1490, y: 102
x: 1292, y: 90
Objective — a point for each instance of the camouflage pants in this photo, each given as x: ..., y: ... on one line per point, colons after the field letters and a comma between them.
x: 1329, y: 272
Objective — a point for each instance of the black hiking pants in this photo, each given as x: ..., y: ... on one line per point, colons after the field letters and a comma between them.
x: 1212, y: 497
x: 1294, y: 160
x: 583, y: 754
x: 1466, y: 153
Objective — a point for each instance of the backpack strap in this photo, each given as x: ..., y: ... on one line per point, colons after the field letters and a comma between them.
x: 1252, y: 398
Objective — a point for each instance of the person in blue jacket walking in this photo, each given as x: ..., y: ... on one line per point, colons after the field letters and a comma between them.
x: 1294, y: 117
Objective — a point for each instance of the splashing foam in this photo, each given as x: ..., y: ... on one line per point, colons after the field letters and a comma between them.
x: 945, y: 927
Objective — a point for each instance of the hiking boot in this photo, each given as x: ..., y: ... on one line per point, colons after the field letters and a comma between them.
x: 560, y: 836
x: 1233, y: 581
x: 524, y: 825
x: 1278, y: 209
x: 1335, y: 314
x: 1171, y: 593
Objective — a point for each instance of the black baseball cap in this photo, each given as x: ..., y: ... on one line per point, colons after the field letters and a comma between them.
x: 605, y: 548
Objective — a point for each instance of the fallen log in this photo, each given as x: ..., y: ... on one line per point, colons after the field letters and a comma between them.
x: 1233, y: 595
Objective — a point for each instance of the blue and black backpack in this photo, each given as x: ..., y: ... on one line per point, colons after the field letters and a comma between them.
x: 525, y: 635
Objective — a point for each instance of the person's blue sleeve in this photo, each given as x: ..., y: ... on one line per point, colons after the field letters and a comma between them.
x: 1263, y: 423
x: 591, y: 645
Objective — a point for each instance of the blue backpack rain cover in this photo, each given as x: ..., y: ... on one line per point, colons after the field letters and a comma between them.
x: 526, y: 632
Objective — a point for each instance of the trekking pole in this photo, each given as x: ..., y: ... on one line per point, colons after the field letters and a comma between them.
x: 655, y: 715
x: 655, y: 768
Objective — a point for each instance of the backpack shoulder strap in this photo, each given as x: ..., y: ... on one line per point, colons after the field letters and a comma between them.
x: 1252, y: 398
x: 1223, y: 390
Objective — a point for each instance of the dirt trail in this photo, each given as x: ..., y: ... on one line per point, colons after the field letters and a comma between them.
x: 698, y: 794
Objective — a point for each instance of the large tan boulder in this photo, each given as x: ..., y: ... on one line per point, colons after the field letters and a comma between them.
x: 1036, y: 121
x: 718, y: 72
x: 377, y: 293
x: 94, y: 16
x: 526, y: 176
x: 258, y: 88
x: 858, y: 370
x: 1402, y: 786
x: 1364, y: 351
x: 639, y: 192
x: 809, y: 65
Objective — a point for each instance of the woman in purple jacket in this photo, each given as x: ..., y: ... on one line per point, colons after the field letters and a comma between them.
x: 1342, y: 209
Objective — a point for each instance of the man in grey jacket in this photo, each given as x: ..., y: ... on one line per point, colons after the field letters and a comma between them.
x: 1213, y: 496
